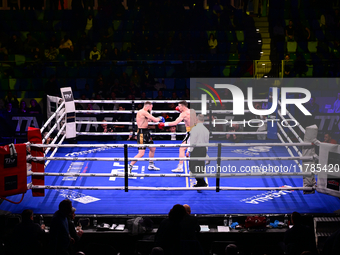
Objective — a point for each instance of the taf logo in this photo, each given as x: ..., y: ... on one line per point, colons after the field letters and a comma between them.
x: 68, y: 96
x: 238, y: 100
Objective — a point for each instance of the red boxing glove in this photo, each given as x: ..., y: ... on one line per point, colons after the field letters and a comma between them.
x: 162, y: 125
x: 177, y: 109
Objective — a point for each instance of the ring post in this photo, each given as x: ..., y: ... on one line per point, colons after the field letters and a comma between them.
x: 126, y: 168
x: 219, y: 150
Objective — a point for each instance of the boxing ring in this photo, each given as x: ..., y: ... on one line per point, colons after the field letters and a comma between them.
x: 250, y: 177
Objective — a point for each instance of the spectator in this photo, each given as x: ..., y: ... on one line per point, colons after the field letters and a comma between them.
x: 28, y: 236
x: 135, y: 78
x: 15, y: 45
x: 235, y: 137
x: 312, y: 106
x: 30, y: 44
x: 157, y: 251
x: 116, y: 55
x: 23, y: 107
x: 104, y: 128
x: 302, y: 32
x: 89, y: 27
x: 190, y: 225
x: 212, y: 42
x: 75, y: 233
x: 65, y: 45
x: 231, y: 249
x: 299, y: 238
x: 13, y: 4
x: 168, y: 235
x: 59, y: 231
x: 105, y: 56
x: 336, y: 107
x: 51, y: 53
x: 35, y: 107
x: 94, y: 54
x: 147, y: 80
x: 121, y: 117
x: 290, y: 31
x: 55, y: 4
x: 12, y: 99
x: 328, y: 138
x: 287, y: 66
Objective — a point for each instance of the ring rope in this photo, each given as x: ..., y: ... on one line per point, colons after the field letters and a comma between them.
x: 261, y: 174
x: 168, y: 159
x: 54, y: 127
x: 53, y: 115
x: 289, y: 151
x: 155, y: 101
x: 289, y: 140
x: 290, y: 128
x: 55, y: 139
x: 169, y: 133
x: 169, y: 188
x: 117, y: 111
x: 168, y: 145
x: 292, y: 117
x: 55, y: 151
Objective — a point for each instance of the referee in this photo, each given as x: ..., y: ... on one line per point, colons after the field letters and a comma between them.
x: 198, y: 135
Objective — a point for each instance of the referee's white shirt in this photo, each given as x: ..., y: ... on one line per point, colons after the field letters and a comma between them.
x: 199, y: 134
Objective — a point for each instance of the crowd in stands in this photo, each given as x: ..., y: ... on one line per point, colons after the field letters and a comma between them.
x: 176, y: 234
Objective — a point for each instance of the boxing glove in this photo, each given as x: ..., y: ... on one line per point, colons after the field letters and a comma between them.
x: 177, y: 109
x: 161, y: 119
x: 162, y: 125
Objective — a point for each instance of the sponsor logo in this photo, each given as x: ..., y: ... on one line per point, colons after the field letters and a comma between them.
x: 267, y: 196
x: 68, y: 96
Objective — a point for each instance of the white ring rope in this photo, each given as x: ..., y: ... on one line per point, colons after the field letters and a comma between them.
x: 260, y: 174
x: 291, y: 116
x: 169, y: 188
x: 168, y: 145
x: 157, y: 111
x: 289, y: 140
x: 53, y: 116
x: 169, y: 133
x: 55, y: 151
x: 289, y: 151
x: 53, y: 128
x: 55, y: 139
x: 168, y: 159
x: 290, y: 128
x: 155, y: 101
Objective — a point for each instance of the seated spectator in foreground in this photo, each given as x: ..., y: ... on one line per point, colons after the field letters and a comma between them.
x: 231, y: 249
x: 190, y: 225
x: 105, y: 128
x: 28, y: 236
x: 299, y: 238
x: 75, y: 233
x: 328, y: 139
x: 168, y: 235
x: 59, y: 231
x: 22, y: 107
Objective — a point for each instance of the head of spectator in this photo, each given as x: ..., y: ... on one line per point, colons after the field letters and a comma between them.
x: 183, y: 105
x: 113, y: 96
x: 287, y: 57
x: 160, y: 94
x: 27, y: 215
x: 89, y: 107
x: 172, y: 106
x: 231, y: 249
x: 8, y: 107
x: 290, y: 23
x: 65, y: 207
x: 174, y: 96
x: 328, y: 138
x: 257, y: 106
x: 296, y: 218
x: 72, y: 215
x: 157, y: 251
x: 143, y: 95
x: 177, y: 213
x: 212, y: 37
x: 187, y: 209
x: 172, y: 129
x: 121, y: 107
x: 306, y: 253
x: 23, y: 107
